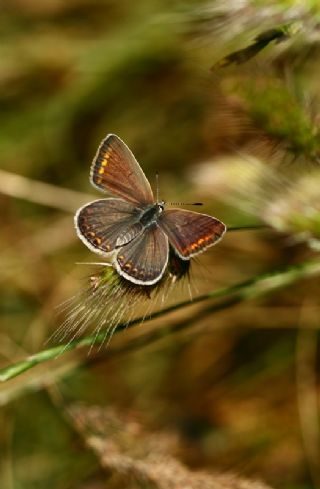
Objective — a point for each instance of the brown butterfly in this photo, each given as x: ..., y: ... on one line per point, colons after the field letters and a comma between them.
x: 132, y: 229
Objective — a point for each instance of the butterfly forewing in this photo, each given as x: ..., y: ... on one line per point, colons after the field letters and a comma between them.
x: 115, y: 170
x: 100, y: 223
x: 190, y: 232
x: 144, y: 260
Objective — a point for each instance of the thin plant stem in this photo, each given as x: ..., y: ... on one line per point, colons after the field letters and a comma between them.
x: 249, y: 289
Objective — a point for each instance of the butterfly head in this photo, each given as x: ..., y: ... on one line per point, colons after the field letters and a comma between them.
x: 160, y: 206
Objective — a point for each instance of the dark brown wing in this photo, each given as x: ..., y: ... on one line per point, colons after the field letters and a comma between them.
x: 144, y: 260
x: 101, y: 223
x: 115, y: 170
x: 190, y: 232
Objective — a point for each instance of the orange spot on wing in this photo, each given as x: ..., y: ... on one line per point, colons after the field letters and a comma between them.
x: 200, y: 243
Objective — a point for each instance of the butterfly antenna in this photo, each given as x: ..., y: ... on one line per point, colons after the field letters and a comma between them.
x: 186, y: 203
x: 157, y: 186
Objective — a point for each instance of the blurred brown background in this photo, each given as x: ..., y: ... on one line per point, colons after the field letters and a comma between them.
x: 238, y: 390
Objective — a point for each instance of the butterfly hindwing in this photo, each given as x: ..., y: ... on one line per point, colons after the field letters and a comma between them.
x: 144, y: 260
x: 115, y: 170
x: 190, y: 232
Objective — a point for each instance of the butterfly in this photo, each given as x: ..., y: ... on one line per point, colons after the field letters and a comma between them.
x: 131, y: 228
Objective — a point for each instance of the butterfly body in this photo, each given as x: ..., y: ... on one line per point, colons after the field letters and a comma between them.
x: 132, y: 229
x: 147, y: 217
x: 151, y: 214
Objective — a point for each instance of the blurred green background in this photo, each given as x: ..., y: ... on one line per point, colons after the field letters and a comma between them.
x: 239, y: 388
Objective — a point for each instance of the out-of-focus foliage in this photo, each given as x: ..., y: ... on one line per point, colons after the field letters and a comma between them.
x: 242, y: 394
x: 139, y: 459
